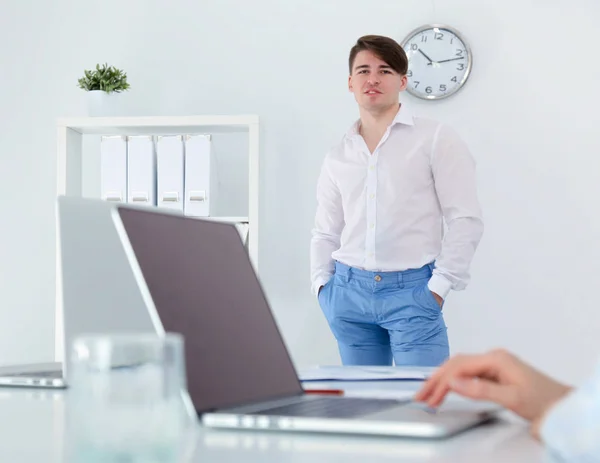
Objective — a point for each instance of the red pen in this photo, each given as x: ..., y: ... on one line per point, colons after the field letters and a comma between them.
x: 324, y: 391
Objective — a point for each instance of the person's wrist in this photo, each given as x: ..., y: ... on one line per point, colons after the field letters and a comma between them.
x: 537, y: 423
x: 439, y: 285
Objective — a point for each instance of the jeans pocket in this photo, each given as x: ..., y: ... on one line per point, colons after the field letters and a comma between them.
x: 322, y: 292
x: 425, y: 298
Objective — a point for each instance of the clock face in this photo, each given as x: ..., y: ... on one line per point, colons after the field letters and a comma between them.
x: 439, y: 61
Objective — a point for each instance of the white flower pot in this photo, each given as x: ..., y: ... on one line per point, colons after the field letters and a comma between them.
x: 101, y: 103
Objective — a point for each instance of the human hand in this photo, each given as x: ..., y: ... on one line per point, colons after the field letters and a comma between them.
x: 499, y: 377
x: 438, y: 298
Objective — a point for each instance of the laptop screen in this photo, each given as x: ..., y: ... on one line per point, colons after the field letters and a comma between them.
x: 203, y: 286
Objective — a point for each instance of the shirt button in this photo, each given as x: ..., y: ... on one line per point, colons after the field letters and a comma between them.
x: 372, y: 196
x: 370, y: 254
x: 372, y: 225
x: 377, y: 278
x: 371, y: 167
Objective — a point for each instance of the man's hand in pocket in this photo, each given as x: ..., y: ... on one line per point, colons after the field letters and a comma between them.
x: 438, y: 298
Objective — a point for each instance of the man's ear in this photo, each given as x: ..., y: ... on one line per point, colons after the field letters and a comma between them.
x: 349, y: 83
x: 404, y: 83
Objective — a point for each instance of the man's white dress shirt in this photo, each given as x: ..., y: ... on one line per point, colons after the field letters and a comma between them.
x: 385, y: 211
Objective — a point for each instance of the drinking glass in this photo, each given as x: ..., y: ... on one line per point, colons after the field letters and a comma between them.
x: 128, y: 398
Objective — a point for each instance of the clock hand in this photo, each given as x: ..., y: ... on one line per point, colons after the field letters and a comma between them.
x: 430, y: 60
x: 452, y: 59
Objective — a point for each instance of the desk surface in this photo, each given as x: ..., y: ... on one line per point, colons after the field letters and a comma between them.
x: 33, y: 430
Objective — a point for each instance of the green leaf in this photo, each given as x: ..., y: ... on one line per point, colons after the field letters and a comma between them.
x: 104, y: 77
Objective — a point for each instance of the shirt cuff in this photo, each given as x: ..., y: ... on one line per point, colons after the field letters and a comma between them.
x: 318, y: 283
x: 552, y: 427
x: 439, y: 285
x: 570, y: 429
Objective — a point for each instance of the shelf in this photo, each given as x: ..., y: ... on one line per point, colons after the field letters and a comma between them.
x: 225, y: 219
x: 157, y: 125
x: 69, y: 161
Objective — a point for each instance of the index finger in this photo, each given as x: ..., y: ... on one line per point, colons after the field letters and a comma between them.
x: 433, y: 380
x: 469, y: 366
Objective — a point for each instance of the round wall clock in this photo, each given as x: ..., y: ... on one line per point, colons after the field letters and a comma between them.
x: 439, y: 61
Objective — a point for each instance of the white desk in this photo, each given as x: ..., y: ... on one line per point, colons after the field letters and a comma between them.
x: 32, y: 429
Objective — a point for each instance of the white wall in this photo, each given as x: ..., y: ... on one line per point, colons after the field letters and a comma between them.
x: 528, y: 112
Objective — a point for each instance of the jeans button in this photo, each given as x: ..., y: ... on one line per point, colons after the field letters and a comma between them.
x: 377, y: 278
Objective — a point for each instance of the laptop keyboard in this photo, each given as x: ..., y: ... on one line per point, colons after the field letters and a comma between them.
x: 330, y: 407
x: 38, y: 374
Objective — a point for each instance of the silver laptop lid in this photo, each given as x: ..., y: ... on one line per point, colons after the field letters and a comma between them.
x: 203, y: 285
x: 100, y: 293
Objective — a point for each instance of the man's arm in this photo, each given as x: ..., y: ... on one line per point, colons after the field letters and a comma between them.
x: 455, y: 179
x: 329, y: 223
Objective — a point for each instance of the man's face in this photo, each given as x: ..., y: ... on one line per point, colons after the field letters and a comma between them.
x: 374, y: 83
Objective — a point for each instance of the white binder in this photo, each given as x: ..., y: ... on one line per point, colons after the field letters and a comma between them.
x: 200, y: 177
x: 242, y: 228
x: 141, y: 170
x: 113, y: 168
x: 170, y: 171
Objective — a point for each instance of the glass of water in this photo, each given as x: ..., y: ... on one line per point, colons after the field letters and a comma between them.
x: 127, y: 399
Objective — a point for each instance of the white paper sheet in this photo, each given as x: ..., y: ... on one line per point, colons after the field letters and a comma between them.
x: 399, y: 394
x: 360, y: 373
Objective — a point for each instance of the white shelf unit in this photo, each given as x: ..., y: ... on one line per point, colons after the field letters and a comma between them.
x: 69, y: 168
x: 227, y: 219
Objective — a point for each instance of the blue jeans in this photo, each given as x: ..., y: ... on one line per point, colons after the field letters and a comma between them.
x: 379, y: 315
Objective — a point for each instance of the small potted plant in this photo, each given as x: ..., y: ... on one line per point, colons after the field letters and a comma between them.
x: 102, y: 85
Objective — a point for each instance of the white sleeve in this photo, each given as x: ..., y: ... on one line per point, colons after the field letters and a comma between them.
x: 455, y: 180
x: 571, y: 430
x: 329, y: 223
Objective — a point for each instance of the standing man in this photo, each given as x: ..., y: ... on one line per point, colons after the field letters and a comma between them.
x: 381, y: 264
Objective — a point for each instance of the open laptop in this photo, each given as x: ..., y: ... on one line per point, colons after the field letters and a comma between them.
x: 198, y: 279
x: 99, y: 290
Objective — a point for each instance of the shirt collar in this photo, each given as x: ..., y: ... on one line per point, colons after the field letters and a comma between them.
x: 403, y: 116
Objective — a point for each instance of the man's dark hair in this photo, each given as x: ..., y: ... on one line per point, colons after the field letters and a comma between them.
x: 385, y: 48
